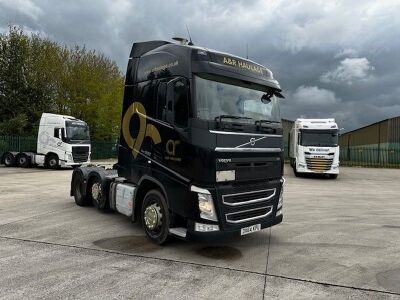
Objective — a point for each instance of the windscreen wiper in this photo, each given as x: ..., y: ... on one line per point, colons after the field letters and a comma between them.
x: 260, y: 122
x: 231, y: 117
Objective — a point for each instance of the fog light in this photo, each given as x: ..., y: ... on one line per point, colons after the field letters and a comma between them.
x: 205, y: 227
x: 279, y: 212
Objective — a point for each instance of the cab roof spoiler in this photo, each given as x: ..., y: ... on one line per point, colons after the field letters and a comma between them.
x: 138, y: 49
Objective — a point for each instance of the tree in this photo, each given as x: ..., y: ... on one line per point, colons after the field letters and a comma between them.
x: 38, y: 75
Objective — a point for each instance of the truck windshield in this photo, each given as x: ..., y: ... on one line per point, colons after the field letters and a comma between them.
x: 319, y: 138
x: 77, y: 131
x: 215, y: 99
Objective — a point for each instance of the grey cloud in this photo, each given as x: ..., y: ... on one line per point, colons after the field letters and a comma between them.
x: 299, y: 40
x: 349, y: 71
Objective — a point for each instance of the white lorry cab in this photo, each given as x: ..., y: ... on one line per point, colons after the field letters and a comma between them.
x: 62, y: 141
x: 313, y: 147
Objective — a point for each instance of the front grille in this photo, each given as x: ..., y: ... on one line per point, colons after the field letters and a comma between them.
x: 80, y: 153
x: 248, y: 197
x: 319, y: 164
x: 247, y: 206
x: 248, y: 215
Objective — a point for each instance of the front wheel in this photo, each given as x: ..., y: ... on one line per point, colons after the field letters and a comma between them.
x: 155, y: 216
x: 297, y: 174
x: 52, y: 162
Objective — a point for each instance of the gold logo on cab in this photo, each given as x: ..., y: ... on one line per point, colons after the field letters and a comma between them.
x: 243, y: 65
x: 135, y: 143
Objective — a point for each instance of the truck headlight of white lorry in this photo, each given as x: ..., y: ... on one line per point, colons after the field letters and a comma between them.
x: 70, y: 157
x: 206, y: 204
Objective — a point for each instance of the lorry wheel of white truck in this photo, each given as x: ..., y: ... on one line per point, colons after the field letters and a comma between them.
x: 297, y: 174
x: 22, y: 160
x: 9, y: 160
x: 155, y: 216
x: 52, y: 161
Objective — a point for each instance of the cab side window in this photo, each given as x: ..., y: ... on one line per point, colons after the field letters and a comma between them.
x: 161, y: 101
x: 181, y: 106
x: 57, y: 133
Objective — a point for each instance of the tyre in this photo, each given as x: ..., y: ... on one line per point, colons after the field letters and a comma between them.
x: 333, y: 176
x: 96, y: 193
x: 78, y: 191
x: 52, y: 162
x: 23, y: 160
x: 297, y: 174
x: 155, y: 216
x: 9, y: 160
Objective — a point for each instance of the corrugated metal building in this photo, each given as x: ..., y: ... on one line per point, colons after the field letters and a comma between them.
x: 378, y: 143
x: 385, y: 133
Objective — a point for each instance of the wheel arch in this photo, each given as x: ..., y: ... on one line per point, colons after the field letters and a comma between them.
x: 48, y: 154
x: 147, y: 183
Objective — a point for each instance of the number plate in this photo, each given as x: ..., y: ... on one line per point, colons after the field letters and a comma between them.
x: 250, y: 229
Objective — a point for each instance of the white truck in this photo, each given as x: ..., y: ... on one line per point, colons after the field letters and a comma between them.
x: 313, y: 147
x: 62, y: 141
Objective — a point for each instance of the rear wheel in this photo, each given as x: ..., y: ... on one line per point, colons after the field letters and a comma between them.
x: 78, y: 191
x: 52, y: 161
x: 155, y: 216
x: 23, y: 160
x: 9, y: 160
x: 96, y: 193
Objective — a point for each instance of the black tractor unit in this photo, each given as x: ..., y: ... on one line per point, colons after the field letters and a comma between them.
x: 200, y: 149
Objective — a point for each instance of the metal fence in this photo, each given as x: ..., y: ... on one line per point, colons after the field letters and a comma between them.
x: 100, y: 149
x: 370, y: 157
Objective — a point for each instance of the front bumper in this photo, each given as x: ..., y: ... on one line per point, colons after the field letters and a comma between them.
x: 64, y: 163
x: 302, y: 168
x: 193, y: 234
x: 239, y: 206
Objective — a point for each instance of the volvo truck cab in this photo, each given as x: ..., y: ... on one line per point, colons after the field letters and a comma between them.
x: 200, y: 148
x: 313, y: 147
x: 62, y: 141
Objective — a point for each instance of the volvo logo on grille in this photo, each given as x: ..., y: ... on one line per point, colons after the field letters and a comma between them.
x: 252, y: 141
x: 224, y: 160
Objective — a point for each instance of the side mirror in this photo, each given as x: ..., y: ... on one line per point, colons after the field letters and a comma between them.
x: 63, y: 136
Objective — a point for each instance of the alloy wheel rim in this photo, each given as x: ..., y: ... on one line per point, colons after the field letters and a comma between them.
x: 153, y: 217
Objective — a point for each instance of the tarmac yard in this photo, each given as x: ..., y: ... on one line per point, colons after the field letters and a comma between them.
x: 340, y: 239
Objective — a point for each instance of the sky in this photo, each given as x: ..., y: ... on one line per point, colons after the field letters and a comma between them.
x: 333, y: 59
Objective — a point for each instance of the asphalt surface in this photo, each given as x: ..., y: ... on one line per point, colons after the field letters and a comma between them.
x: 340, y: 239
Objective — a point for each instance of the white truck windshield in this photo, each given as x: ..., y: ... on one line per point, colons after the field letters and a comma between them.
x: 77, y: 131
x: 322, y: 139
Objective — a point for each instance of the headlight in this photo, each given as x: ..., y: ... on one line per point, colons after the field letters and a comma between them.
x: 206, y: 204
x: 69, y: 156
